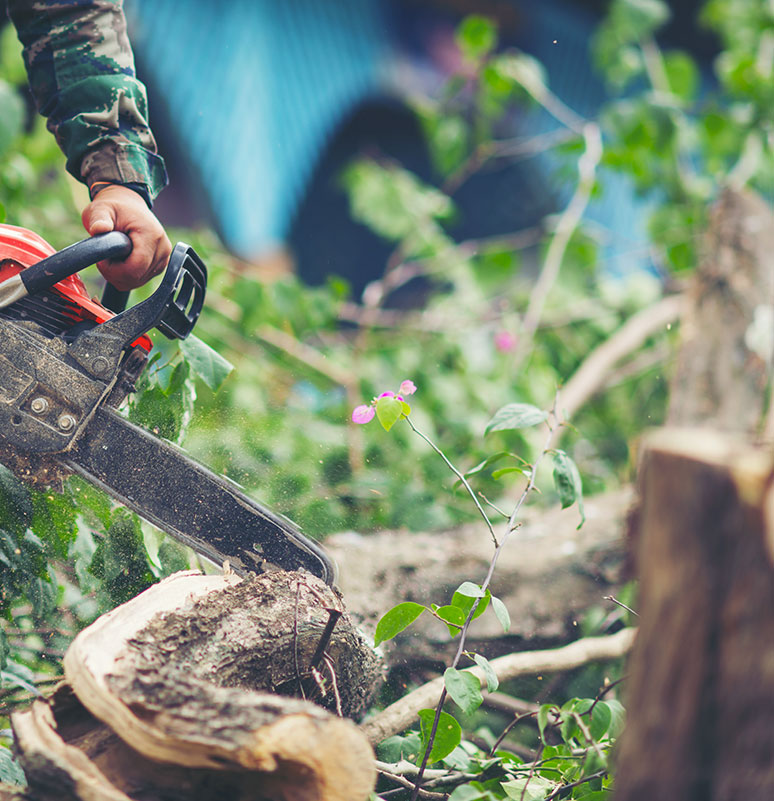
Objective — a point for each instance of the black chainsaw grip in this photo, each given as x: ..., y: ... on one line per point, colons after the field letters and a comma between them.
x: 73, y: 259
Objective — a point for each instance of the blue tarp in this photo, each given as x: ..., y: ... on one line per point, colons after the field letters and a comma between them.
x: 254, y: 89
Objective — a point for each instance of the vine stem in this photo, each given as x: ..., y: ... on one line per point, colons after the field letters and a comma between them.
x: 459, y: 475
x: 511, y: 527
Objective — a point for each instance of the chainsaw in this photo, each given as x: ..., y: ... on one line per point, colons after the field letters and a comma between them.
x: 68, y: 361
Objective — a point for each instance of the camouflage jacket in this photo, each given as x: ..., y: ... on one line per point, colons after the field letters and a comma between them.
x: 81, y: 72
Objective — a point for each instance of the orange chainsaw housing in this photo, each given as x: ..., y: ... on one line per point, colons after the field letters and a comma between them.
x: 21, y: 248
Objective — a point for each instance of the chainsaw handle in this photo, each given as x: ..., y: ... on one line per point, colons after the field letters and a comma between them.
x: 73, y: 259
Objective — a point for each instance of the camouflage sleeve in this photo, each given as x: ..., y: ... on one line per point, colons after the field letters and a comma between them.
x: 81, y: 72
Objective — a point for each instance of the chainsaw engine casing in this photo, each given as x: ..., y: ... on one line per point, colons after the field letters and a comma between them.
x: 62, y: 354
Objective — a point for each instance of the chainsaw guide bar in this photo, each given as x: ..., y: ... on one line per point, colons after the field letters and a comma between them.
x: 202, y: 510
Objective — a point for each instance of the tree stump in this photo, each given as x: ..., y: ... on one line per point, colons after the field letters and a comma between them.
x: 189, y: 691
x: 701, y: 677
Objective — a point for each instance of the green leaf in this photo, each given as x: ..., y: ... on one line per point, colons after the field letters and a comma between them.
x: 639, y: 18
x: 569, y: 728
x: 55, y: 520
x: 42, y: 595
x: 476, y: 37
x: 453, y: 616
x: 206, y: 362
x: 618, y: 718
x: 490, y: 460
x: 397, y: 619
x: 682, y: 73
x: 166, y: 411
x: 5, y: 649
x: 530, y: 788
x: 601, y: 718
x: 447, y: 737
x: 466, y: 792
x: 469, y: 589
x: 459, y: 759
x: 394, y: 202
x: 503, y: 471
x: 464, y: 689
x: 492, y: 682
x: 568, y: 482
x: 395, y: 748
x: 93, y: 504
x: 501, y: 612
x: 15, y: 503
x: 522, y: 70
x: 515, y: 416
x: 120, y: 560
x: 464, y: 600
x: 542, y: 717
x: 12, y: 680
x: 389, y: 410
x: 10, y: 770
x: 172, y: 557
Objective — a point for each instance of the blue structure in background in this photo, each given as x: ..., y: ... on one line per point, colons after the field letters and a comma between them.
x: 254, y: 91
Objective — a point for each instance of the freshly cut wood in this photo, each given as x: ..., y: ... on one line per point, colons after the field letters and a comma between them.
x: 194, y: 676
x: 700, y: 695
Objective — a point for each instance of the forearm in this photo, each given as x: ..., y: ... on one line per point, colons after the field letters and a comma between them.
x: 81, y: 71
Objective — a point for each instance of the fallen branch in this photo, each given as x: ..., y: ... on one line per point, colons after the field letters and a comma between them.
x: 591, y: 376
x: 399, y: 716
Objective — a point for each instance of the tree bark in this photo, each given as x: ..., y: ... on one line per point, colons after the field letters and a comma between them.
x: 701, y: 677
x: 185, y: 692
x: 723, y: 368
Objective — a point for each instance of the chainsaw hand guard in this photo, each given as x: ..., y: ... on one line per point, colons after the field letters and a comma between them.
x: 173, y: 308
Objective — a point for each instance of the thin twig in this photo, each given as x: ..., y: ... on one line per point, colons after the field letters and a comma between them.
x: 568, y: 222
x: 619, y: 603
x: 329, y: 664
x: 508, y: 729
x: 459, y: 475
x: 558, y: 790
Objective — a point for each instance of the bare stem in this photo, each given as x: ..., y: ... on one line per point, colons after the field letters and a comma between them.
x: 511, y: 527
x: 459, y: 476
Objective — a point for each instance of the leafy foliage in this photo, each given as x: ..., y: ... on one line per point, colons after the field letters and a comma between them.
x: 279, y: 424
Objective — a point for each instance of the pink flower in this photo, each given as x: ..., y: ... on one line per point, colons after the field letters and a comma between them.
x: 504, y: 341
x: 363, y: 414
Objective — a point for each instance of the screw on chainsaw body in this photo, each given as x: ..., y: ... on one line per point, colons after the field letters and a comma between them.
x: 100, y: 364
x: 66, y: 422
x: 39, y: 405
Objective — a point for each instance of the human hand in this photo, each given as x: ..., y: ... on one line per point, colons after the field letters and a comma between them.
x: 118, y: 208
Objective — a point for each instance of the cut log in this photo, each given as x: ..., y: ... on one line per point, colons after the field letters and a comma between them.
x: 550, y: 573
x: 701, y: 676
x: 191, y: 678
